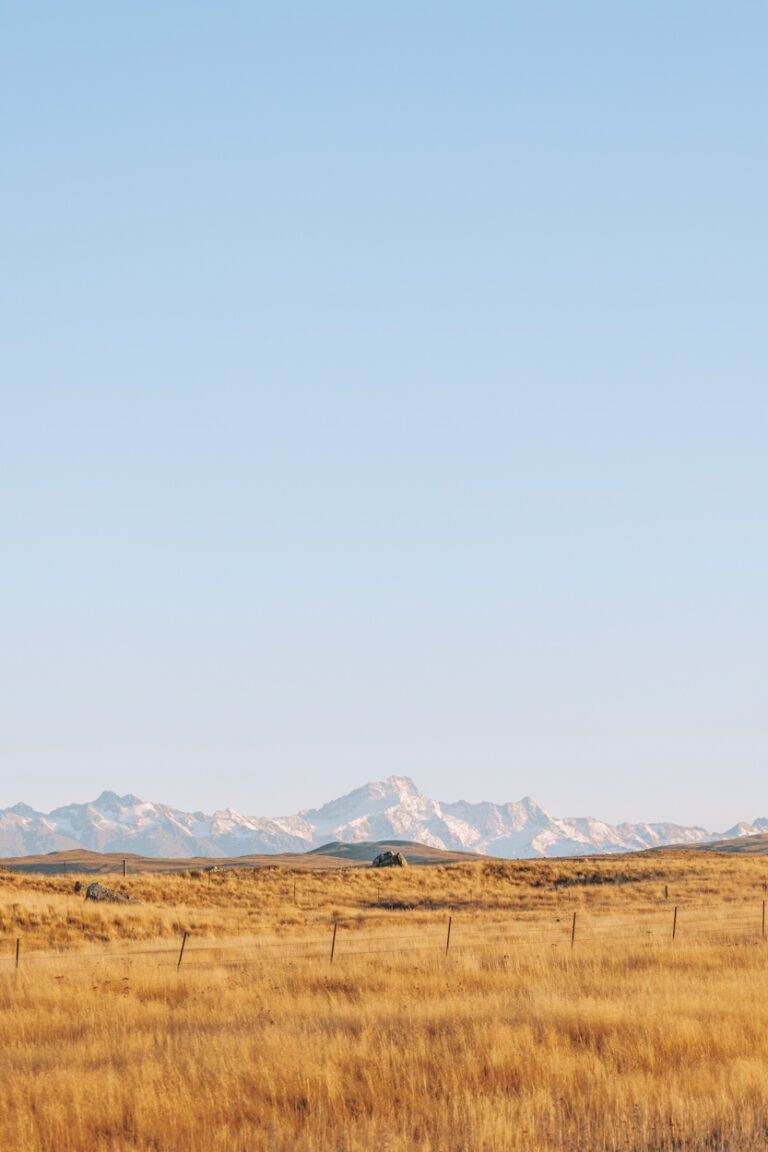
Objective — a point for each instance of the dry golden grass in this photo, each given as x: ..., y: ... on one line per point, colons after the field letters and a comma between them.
x: 514, y: 1041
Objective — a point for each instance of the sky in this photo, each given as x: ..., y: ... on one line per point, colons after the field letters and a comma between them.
x: 383, y: 390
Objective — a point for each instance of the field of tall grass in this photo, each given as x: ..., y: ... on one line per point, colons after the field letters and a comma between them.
x: 508, y: 1037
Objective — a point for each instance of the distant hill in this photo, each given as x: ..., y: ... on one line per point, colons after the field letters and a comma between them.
x: 329, y: 856
x: 414, y: 853
x: 79, y: 861
x: 753, y: 844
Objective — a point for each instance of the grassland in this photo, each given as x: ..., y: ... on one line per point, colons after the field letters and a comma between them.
x: 514, y: 1040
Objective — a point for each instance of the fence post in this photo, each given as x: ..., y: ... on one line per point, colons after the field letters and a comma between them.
x: 181, y: 952
x: 18, y: 946
x: 674, y: 924
x: 333, y: 939
x: 123, y: 866
x: 448, y: 937
x: 573, y: 930
x: 666, y: 891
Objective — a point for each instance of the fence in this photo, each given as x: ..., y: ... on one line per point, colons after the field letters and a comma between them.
x: 566, y: 929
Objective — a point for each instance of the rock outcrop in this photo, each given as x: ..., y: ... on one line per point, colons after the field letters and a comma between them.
x: 389, y: 860
x: 104, y: 895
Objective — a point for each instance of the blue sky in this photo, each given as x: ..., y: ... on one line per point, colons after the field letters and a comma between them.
x: 384, y: 390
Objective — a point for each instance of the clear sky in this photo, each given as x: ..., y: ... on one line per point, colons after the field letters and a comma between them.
x: 384, y: 391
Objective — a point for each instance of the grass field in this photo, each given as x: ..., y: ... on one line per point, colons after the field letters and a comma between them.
x: 513, y: 1040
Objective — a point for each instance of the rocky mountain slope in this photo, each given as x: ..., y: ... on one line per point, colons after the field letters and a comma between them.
x: 383, y: 810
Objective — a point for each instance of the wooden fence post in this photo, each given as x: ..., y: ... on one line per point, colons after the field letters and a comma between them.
x: 573, y: 930
x: 674, y: 924
x: 666, y: 891
x: 333, y: 939
x: 123, y: 866
x: 181, y: 952
x: 18, y: 946
x: 448, y: 937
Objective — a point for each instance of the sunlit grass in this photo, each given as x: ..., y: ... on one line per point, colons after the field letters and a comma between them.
x: 514, y: 1041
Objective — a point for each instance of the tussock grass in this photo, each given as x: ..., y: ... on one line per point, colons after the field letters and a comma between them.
x: 625, y: 1043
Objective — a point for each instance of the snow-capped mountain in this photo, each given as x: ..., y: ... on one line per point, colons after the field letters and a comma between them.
x: 388, y: 809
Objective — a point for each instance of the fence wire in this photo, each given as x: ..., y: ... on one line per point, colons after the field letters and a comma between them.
x: 675, y: 924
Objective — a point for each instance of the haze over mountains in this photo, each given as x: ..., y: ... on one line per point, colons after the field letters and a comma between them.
x: 391, y: 808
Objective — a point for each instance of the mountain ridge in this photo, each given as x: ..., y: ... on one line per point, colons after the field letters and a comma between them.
x: 378, y: 810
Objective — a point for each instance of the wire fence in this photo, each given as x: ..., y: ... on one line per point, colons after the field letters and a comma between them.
x: 567, y: 929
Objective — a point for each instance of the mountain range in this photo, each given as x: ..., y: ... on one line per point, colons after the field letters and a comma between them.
x: 391, y: 808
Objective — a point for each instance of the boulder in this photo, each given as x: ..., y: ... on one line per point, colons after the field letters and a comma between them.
x: 100, y: 892
x: 389, y: 860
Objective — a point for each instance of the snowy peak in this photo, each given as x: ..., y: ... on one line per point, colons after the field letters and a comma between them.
x: 391, y: 807
x: 375, y: 796
x: 394, y: 808
x: 24, y: 811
